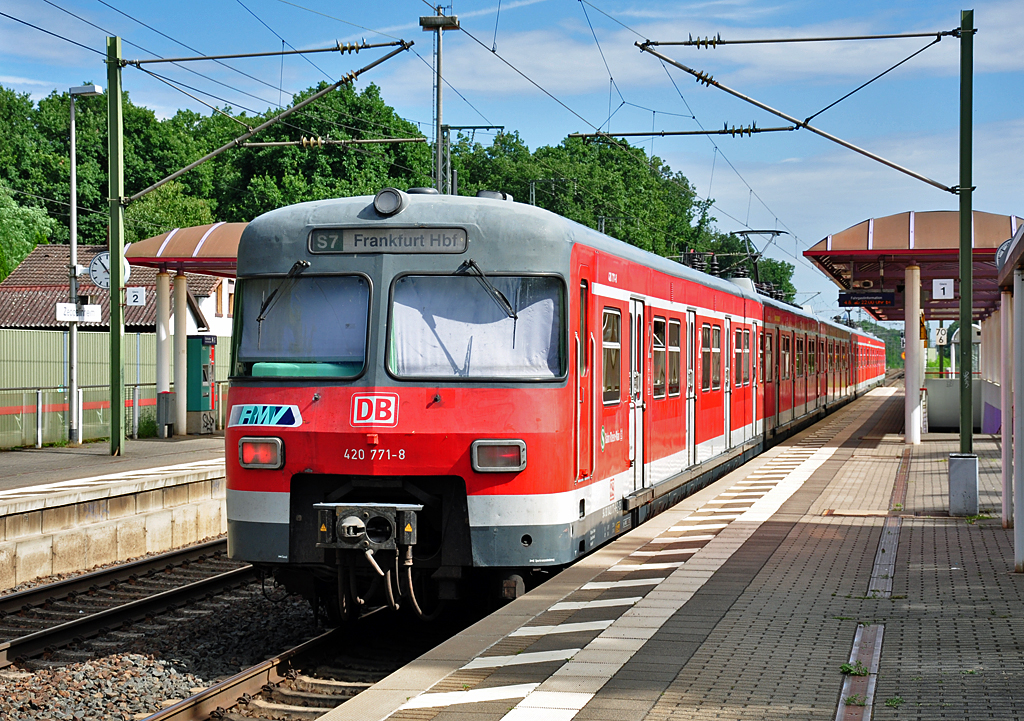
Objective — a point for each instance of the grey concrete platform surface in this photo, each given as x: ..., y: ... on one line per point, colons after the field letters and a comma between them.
x: 745, y: 600
x: 66, y: 510
x: 20, y: 467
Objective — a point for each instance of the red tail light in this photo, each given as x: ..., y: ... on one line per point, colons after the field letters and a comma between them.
x: 260, y: 452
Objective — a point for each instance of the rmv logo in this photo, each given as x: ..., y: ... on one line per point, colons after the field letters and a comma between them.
x: 377, y: 409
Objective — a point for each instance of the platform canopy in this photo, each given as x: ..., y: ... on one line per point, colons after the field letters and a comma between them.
x: 868, y: 261
x: 208, y: 249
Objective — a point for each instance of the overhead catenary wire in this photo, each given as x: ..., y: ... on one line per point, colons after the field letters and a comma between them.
x: 50, y: 32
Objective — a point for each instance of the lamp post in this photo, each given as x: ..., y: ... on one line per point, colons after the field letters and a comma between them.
x: 75, y: 423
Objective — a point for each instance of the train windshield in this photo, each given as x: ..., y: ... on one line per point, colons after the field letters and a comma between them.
x: 452, y: 327
x: 312, y: 327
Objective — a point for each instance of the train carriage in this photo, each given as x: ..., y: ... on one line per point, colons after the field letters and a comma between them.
x: 429, y: 390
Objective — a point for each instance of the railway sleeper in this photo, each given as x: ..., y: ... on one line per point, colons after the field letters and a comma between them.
x: 330, y: 686
x: 312, y: 699
x: 284, y: 712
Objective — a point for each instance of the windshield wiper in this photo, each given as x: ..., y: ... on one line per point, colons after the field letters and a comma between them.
x: 496, y: 295
x: 268, y: 305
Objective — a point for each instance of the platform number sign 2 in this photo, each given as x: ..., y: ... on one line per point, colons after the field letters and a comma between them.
x: 135, y: 296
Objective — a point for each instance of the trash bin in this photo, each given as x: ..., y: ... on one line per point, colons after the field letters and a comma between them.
x: 165, y: 404
x: 963, y: 484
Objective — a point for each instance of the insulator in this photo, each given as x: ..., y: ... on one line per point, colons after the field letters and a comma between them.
x: 705, y: 78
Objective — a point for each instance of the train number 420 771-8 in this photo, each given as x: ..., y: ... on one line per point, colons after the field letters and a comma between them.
x: 374, y: 454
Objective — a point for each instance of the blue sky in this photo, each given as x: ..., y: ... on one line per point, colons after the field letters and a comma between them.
x: 582, y: 53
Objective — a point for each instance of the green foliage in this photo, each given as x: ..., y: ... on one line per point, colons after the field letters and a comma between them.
x: 634, y: 197
x: 891, y: 336
x: 854, y: 669
x: 21, y: 228
x: 164, y: 209
x: 895, y: 702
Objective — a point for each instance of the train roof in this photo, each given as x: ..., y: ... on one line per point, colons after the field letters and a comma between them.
x: 293, y: 222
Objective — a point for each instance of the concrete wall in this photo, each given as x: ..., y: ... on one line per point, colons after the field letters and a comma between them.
x: 944, y: 403
x: 82, y: 527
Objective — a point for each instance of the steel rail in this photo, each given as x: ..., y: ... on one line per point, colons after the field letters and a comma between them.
x: 340, y: 47
x: 101, y: 621
x: 97, y: 579
x: 708, y: 80
x: 714, y: 41
x: 226, y: 694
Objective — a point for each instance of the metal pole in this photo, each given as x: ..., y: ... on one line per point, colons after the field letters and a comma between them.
x: 1006, y: 401
x: 135, y: 412
x: 966, y: 232
x: 437, y: 131
x: 115, y: 181
x: 1018, y: 420
x: 73, y: 327
x: 39, y: 418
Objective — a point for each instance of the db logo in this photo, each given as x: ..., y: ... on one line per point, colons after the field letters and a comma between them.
x: 377, y: 409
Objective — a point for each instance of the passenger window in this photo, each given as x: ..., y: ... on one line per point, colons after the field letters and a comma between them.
x: 784, y: 357
x: 705, y: 357
x: 737, y: 367
x: 611, y: 342
x: 584, y: 345
x: 799, y: 357
x: 674, y: 354
x: 658, y: 358
x: 746, y: 356
x: 716, y: 358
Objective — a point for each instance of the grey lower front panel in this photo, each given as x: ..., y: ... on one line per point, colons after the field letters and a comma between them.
x: 506, y: 546
x: 258, y: 542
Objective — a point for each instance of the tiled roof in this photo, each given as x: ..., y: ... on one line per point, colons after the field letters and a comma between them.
x: 28, y: 296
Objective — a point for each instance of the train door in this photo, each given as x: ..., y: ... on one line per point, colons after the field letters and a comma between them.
x: 727, y: 384
x: 637, y: 327
x: 691, y: 391
x: 585, y: 404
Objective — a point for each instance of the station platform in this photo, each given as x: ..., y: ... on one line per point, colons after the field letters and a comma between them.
x: 67, y: 510
x: 746, y: 600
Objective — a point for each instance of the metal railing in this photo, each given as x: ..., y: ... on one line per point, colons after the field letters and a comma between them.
x: 38, y: 415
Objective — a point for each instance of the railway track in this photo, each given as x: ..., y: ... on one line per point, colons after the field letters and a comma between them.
x: 44, y: 619
x: 307, y: 681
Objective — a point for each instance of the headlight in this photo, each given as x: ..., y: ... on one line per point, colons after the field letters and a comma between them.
x: 498, y: 456
x: 261, y: 453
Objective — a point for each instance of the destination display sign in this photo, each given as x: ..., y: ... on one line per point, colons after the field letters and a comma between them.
x: 388, y: 240
x: 862, y: 300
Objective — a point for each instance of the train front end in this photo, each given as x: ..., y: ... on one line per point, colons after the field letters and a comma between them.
x: 398, y: 402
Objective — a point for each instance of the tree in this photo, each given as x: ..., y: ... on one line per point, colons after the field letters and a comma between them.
x: 21, y: 229
x: 164, y: 209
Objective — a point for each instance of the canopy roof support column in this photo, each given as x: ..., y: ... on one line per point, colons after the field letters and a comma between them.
x: 912, y: 363
x: 180, y: 354
x: 1006, y: 401
x: 1018, y: 420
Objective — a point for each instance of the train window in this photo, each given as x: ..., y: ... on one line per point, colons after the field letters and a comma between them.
x: 454, y: 326
x: 658, y: 358
x: 737, y: 366
x: 784, y: 357
x: 310, y: 326
x: 584, y: 345
x: 674, y: 354
x: 812, y: 356
x: 716, y: 358
x: 769, y: 358
x: 611, y: 342
x: 760, y: 364
x: 799, y: 358
x: 705, y: 357
x: 746, y: 356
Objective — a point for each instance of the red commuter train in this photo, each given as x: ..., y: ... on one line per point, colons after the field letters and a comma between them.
x: 432, y: 392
